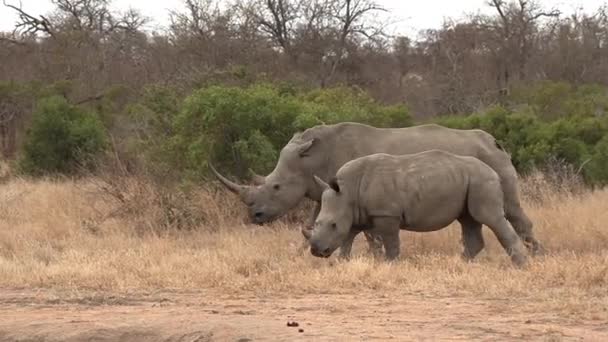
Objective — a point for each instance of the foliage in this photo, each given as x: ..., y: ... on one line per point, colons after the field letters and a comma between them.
x: 578, y: 139
x: 61, y: 138
x: 554, y: 100
x: 239, y: 128
x: 242, y: 128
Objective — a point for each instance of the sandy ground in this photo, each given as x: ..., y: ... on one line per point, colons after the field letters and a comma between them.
x: 45, y: 315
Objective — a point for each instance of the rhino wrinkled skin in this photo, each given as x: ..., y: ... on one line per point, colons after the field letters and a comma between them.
x: 419, y: 192
x: 322, y: 150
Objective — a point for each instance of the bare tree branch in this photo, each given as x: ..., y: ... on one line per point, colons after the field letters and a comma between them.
x: 29, y: 24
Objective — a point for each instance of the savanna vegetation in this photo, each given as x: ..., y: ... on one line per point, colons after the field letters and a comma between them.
x: 107, y: 127
x: 232, y: 82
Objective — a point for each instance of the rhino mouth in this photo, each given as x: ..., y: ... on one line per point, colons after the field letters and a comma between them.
x: 260, y: 218
x: 326, y: 253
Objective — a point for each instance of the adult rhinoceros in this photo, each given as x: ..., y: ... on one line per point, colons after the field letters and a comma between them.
x: 419, y: 192
x: 322, y: 150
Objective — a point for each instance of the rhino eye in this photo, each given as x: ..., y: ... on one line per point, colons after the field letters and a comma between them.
x: 333, y: 226
x: 276, y: 187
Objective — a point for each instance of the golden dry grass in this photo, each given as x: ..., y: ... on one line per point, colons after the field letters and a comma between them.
x: 72, y: 235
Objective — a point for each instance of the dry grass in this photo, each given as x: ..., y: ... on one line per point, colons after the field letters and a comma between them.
x: 73, y: 235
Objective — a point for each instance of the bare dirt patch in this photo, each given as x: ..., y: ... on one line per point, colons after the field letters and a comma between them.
x: 210, y: 316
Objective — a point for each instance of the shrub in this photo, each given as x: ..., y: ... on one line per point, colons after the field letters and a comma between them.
x: 552, y: 100
x: 61, y: 138
x: 597, y: 171
x: 536, y: 145
x: 242, y: 128
x: 239, y: 128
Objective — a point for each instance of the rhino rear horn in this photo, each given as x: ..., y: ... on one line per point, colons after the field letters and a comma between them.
x: 307, y: 232
x: 257, y: 179
x: 236, y: 188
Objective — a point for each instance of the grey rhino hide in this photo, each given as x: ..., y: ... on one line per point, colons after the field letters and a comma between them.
x: 322, y: 150
x: 419, y: 192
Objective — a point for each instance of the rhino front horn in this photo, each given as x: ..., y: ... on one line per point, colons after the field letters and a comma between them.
x: 232, y: 186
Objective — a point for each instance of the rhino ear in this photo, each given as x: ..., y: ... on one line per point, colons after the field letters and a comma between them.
x: 304, y: 148
x: 321, y: 183
x: 333, y: 183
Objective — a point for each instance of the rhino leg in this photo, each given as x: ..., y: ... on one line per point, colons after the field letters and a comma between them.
x: 514, y: 212
x: 509, y: 240
x: 501, y: 163
x: 487, y: 208
x: 523, y: 226
x: 388, y: 229
x: 347, y: 245
x: 472, y: 238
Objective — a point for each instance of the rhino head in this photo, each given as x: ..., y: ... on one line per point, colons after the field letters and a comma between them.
x: 291, y: 180
x: 334, y: 221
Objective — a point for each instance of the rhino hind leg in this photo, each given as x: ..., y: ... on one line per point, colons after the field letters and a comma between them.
x: 523, y: 227
x: 513, y: 209
x: 487, y: 208
x: 472, y: 237
x: 509, y: 240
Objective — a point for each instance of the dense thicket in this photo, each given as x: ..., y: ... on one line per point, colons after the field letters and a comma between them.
x: 232, y: 83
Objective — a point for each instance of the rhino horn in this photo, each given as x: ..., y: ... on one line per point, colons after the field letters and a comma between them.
x: 236, y: 188
x: 257, y: 179
x: 320, y: 183
x: 307, y: 232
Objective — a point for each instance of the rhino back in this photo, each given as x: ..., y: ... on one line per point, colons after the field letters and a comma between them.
x: 347, y: 141
x: 427, y: 190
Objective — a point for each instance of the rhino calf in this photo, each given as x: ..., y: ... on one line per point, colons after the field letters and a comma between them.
x: 419, y: 192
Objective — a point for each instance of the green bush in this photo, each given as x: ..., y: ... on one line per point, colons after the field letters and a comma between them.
x: 577, y: 140
x: 340, y: 104
x: 597, y: 170
x: 552, y: 100
x: 242, y: 128
x: 238, y: 128
x: 61, y: 138
x: 149, y: 126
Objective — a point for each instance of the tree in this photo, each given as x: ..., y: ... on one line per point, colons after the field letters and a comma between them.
x: 61, y: 139
x: 514, y: 31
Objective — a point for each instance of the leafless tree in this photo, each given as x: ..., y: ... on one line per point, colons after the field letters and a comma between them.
x: 515, y: 31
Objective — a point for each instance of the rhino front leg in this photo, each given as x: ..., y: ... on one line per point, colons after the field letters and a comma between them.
x: 388, y: 229
x: 347, y: 245
x: 374, y: 241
